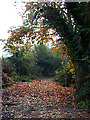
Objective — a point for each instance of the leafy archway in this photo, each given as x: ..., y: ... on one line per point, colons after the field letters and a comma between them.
x: 70, y: 21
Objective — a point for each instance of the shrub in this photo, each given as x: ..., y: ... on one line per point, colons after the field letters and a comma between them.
x: 82, y: 98
x: 6, y: 66
x: 64, y: 77
x: 84, y: 92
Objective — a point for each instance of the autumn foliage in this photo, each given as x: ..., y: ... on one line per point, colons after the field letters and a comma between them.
x: 66, y: 25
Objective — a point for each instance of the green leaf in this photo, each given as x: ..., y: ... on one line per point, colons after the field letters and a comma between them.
x: 41, y: 43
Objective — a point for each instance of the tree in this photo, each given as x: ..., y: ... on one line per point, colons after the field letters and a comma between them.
x: 46, y: 60
x: 71, y: 21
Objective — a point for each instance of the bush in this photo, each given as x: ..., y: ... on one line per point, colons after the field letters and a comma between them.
x: 7, y: 66
x: 13, y: 78
x: 22, y: 78
x: 82, y: 98
x: 85, y: 105
x: 6, y: 80
x: 64, y: 77
x: 84, y: 92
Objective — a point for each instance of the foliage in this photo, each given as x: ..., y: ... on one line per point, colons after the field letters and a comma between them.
x: 23, y: 78
x: 40, y: 18
x: 47, y: 61
x: 37, y: 62
x: 24, y: 65
x: 85, y: 105
x: 64, y: 77
x: 7, y: 68
x: 18, y: 68
x: 82, y: 98
x: 70, y: 21
x: 84, y: 92
x: 70, y: 31
x: 6, y: 80
x: 67, y: 65
x: 66, y: 72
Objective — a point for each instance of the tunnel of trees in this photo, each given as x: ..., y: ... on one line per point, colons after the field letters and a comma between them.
x: 70, y: 21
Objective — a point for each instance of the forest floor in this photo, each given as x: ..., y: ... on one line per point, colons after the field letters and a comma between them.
x: 42, y: 98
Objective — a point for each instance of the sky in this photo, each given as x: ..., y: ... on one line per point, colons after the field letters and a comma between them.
x: 9, y: 16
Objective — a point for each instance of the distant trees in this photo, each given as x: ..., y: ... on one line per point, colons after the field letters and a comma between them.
x: 46, y: 60
x: 37, y: 62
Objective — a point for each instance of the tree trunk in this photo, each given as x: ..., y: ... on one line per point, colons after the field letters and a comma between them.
x: 80, y: 74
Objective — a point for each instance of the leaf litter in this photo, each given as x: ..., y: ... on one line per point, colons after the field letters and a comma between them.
x: 40, y: 99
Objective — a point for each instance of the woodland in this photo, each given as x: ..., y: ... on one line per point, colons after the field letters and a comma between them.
x: 49, y: 67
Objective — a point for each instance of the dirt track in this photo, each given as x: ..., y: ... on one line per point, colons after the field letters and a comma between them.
x: 41, y: 98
